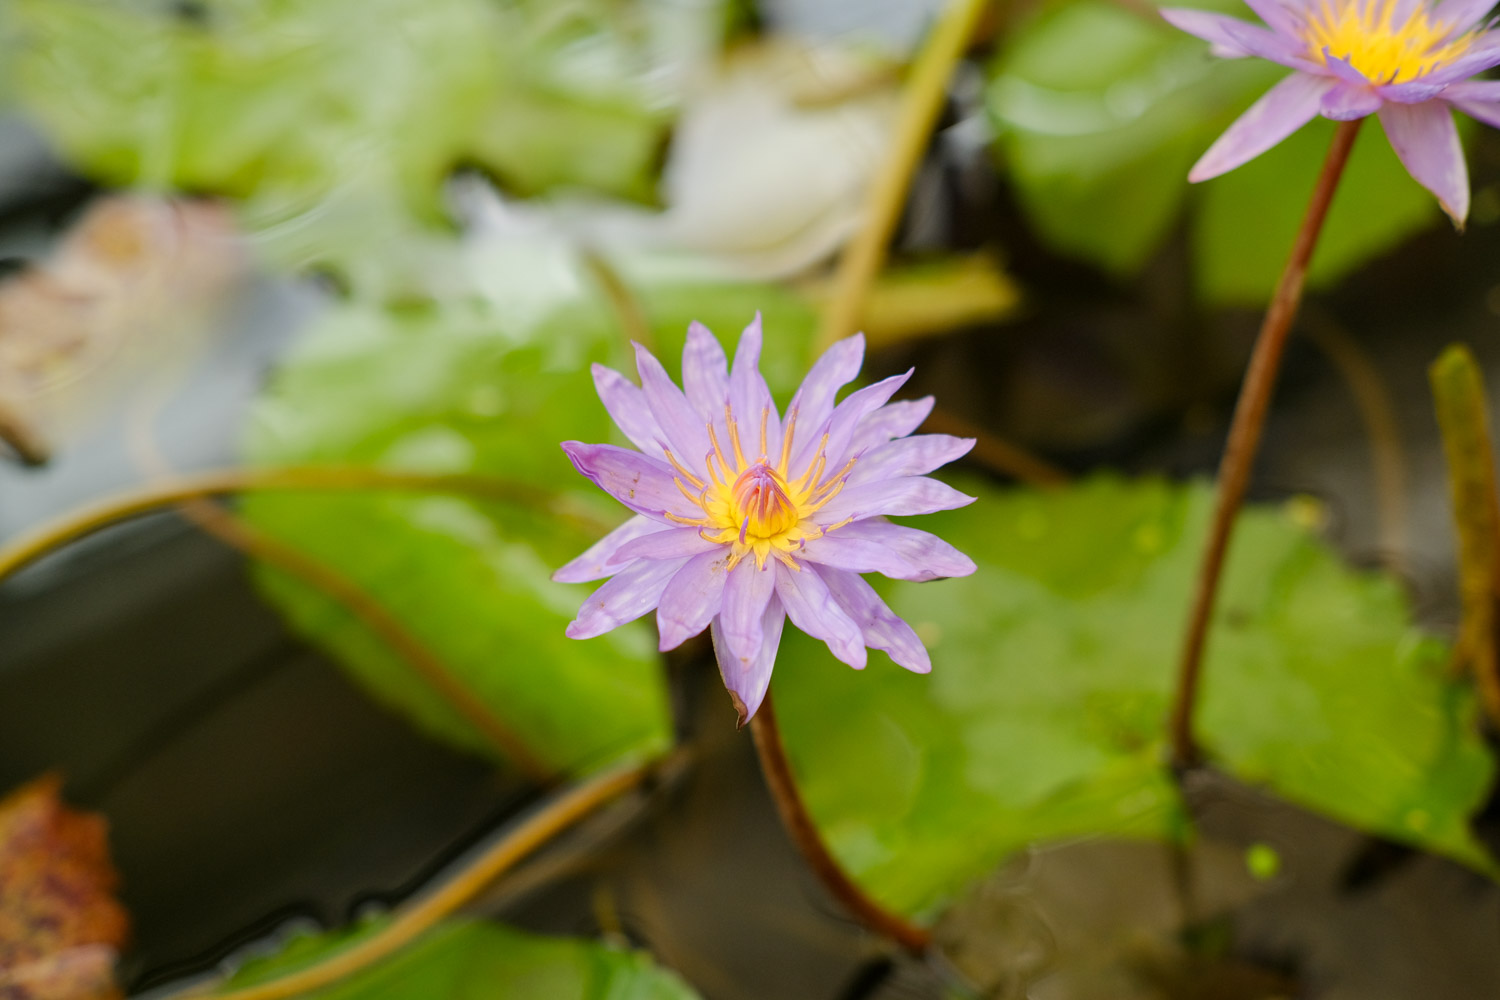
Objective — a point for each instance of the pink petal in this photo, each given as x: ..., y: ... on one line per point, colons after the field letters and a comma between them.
x: 893, y: 550
x: 747, y: 679
x: 812, y: 609
x: 813, y: 402
x: 1461, y: 15
x: 912, y: 456
x: 1479, y: 99
x: 892, y: 421
x: 1424, y: 137
x: 674, y: 543
x: 846, y: 419
x: 692, y: 598
x: 1349, y: 101
x: 705, y: 374
x: 603, y: 557
x: 1274, y: 13
x: 634, y: 590
x: 1481, y: 55
x: 1344, y: 69
x: 749, y: 397
x: 1284, y: 109
x: 908, y: 495
x: 1412, y: 92
x: 626, y: 406
x: 643, y: 484
x: 745, y: 595
x: 684, y: 429
x: 1240, y: 38
x: 880, y: 627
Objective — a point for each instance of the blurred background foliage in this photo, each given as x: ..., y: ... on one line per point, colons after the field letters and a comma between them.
x: 477, y: 199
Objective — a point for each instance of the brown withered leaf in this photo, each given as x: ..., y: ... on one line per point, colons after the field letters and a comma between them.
x: 60, y: 925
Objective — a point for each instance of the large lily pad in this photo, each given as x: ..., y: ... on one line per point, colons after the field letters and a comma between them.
x: 470, y: 959
x: 453, y: 389
x: 1044, y: 715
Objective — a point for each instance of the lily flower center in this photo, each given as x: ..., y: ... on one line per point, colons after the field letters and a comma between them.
x: 761, y: 502
x: 1388, y: 41
x: 759, y: 507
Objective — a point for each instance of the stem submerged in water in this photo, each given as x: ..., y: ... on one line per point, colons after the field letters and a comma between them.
x: 1244, y: 439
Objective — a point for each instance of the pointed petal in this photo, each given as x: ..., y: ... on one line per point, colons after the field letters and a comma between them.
x: 1481, y: 55
x: 747, y: 679
x: 1344, y: 70
x: 1479, y: 99
x: 847, y: 417
x: 626, y: 405
x: 880, y: 627
x: 683, y: 428
x: 1424, y: 137
x: 1277, y: 15
x: 643, y: 484
x: 1413, y: 92
x: 909, y: 495
x: 912, y: 456
x: 892, y: 550
x: 603, y: 557
x: 674, y: 543
x: 1349, y: 101
x: 749, y: 396
x: 1234, y: 37
x: 745, y: 595
x: 1284, y: 109
x: 635, y: 590
x: 812, y: 609
x: 891, y: 421
x: 692, y: 598
x: 705, y: 373
x: 1461, y: 15
x: 813, y: 403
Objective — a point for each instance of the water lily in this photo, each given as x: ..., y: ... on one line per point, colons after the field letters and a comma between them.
x: 1406, y: 60
x: 743, y: 520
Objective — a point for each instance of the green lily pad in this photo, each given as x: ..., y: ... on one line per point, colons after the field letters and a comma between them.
x: 449, y: 388
x: 1044, y: 715
x: 1099, y: 113
x: 336, y: 122
x: 464, y: 959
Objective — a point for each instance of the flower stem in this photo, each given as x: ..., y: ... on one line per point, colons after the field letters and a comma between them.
x: 26, y: 548
x: 799, y: 825
x: 1244, y: 439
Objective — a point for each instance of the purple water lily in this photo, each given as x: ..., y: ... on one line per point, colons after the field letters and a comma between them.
x: 742, y: 521
x: 1407, y: 60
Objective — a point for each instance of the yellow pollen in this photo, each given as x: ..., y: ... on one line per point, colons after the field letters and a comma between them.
x: 756, y: 507
x: 1365, y: 34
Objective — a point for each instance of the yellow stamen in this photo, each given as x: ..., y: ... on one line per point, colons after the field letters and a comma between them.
x: 684, y: 473
x: 1365, y: 34
x: 756, y: 508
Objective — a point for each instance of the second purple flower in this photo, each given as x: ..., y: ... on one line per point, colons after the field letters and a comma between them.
x: 1407, y: 60
x: 743, y: 520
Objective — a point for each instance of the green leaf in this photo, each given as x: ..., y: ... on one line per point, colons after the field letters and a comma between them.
x: 337, y: 121
x: 1044, y: 715
x: 470, y: 959
x: 1100, y: 112
x: 451, y: 388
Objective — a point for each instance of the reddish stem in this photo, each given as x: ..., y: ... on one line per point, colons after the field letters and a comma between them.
x: 799, y: 825
x: 1244, y: 439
